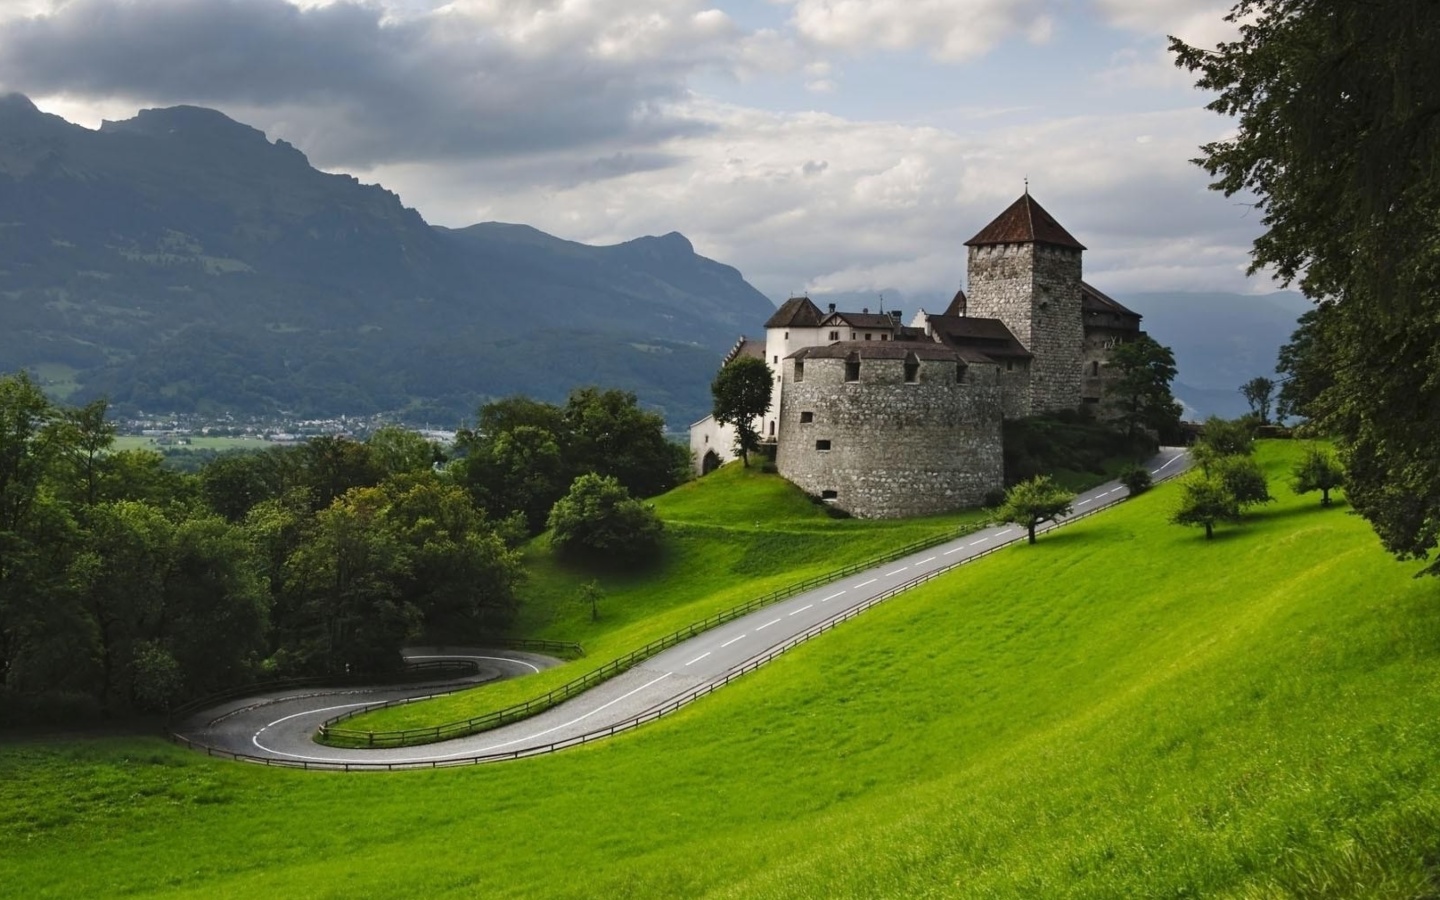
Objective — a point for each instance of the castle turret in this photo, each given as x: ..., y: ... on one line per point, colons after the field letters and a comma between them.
x: 1025, y: 270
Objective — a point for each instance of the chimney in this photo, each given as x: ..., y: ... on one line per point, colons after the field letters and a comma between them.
x: 832, y: 307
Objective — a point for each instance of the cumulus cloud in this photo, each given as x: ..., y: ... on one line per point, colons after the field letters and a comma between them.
x: 950, y: 30
x: 361, y: 83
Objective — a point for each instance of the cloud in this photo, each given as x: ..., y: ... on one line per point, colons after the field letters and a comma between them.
x: 820, y: 202
x: 949, y: 30
x: 359, y: 84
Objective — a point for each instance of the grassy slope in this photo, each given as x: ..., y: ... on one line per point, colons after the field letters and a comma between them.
x: 1124, y: 709
x: 716, y: 556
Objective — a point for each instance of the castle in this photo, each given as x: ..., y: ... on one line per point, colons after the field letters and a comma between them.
x: 885, y: 419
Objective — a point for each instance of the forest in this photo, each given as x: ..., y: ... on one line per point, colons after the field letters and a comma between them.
x: 127, y: 587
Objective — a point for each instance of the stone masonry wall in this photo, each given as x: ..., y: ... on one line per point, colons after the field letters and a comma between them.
x: 896, y: 449
x: 1035, y: 290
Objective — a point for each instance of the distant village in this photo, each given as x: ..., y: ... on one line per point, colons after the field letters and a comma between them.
x: 180, y: 430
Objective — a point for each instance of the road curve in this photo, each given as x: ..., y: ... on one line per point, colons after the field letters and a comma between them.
x: 279, y: 729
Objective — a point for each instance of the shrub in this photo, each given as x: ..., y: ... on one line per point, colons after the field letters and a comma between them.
x: 1136, y: 479
x: 598, y: 519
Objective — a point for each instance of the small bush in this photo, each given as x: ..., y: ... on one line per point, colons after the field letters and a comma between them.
x: 1136, y: 479
x: 994, y: 498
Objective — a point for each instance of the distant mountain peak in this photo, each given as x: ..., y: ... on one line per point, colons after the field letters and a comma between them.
x: 16, y: 102
x: 185, y: 120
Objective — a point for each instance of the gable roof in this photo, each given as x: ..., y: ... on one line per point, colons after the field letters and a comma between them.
x: 863, y: 319
x: 797, y: 312
x: 1094, y: 299
x: 989, y: 336
x: 957, y: 304
x: 745, y: 347
x: 1025, y: 222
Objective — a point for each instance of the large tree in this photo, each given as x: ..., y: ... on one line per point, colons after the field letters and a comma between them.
x: 1141, y: 394
x: 742, y: 394
x: 1259, y: 392
x: 1337, y: 137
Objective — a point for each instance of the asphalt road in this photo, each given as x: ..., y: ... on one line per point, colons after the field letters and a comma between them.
x: 280, y: 728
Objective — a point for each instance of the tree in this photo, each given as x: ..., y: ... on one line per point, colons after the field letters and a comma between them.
x: 590, y: 595
x: 1033, y: 502
x: 1308, y: 372
x: 1204, y: 500
x: 1259, y: 393
x: 611, y: 435
x: 395, y: 451
x: 1336, y: 137
x: 1317, y: 471
x: 1136, y: 480
x: 1141, y: 394
x: 599, y: 520
x: 1226, y: 437
x: 742, y: 394
x: 1244, y: 479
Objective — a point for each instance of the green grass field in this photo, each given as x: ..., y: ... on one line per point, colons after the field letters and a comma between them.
x: 1122, y: 710
x: 730, y: 537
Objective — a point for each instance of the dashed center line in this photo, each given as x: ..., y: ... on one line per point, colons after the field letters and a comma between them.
x: 801, y: 609
x: 831, y: 597
x: 732, y: 640
x: 767, y: 624
x: 863, y: 583
x: 956, y: 550
x: 978, y: 543
x: 698, y: 658
x: 1005, y: 532
x: 924, y: 561
x: 897, y: 571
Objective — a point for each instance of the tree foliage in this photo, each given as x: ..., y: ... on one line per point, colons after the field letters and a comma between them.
x: 1244, y: 479
x: 1259, y: 392
x: 1337, y: 109
x: 1319, y: 471
x: 598, y: 520
x: 742, y: 392
x: 1141, y: 394
x: 1034, y: 502
x: 1205, y: 501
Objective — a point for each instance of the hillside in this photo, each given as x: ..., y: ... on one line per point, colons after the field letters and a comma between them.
x: 181, y: 261
x: 1124, y: 709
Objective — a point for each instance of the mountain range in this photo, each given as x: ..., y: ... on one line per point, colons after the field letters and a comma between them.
x: 180, y: 261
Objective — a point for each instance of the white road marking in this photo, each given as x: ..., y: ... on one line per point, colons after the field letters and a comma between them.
x: 473, y: 752
x: 897, y: 571
x: 1168, y: 462
x: 801, y: 609
x: 831, y: 597
x: 767, y: 624
x: 529, y: 665
x: 924, y: 561
x: 863, y: 583
x: 1005, y: 532
x: 979, y: 542
x: 732, y: 640
x: 956, y: 550
x: 1083, y: 502
x: 698, y: 658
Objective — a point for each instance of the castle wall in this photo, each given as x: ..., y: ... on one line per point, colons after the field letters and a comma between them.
x: 895, y: 449
x: 1035, y: 290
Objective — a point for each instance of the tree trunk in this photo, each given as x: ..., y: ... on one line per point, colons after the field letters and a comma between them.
x: 1209, y: 530
x: 1324, y: 496
x: 1032, y: 532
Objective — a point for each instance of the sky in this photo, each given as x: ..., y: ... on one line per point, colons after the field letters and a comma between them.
x: 819, y: 146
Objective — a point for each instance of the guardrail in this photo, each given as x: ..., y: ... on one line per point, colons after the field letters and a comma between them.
x: 411, y: 737
x: 680, y: 701
x: 421, y: 671
x: 538, y: 645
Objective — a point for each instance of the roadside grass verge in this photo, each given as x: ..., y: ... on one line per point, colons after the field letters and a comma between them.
x: 1123, y: 709
x: 731, y: 537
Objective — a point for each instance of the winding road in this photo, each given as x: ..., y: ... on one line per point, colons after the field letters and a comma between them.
x: 278, y: 729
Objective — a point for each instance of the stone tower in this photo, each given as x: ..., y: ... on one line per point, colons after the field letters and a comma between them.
x: 1024, y: 269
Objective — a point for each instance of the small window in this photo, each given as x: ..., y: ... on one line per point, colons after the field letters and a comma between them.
x: 799, y: 370
x: 806, y: 418
x: 884, y: 337
x: 959, y: 373
x: 787, y: 335
x: 852, y: 335
x: 867, y: 336
x: 829, y: 495
x: 822, y: 445
x: 1009, y: 365
x: 777, y: 360
x: 912, y: 372
x: 852, y: 371
x: 772, y: 428
x: 1095, y: 367
x: 834, y: 335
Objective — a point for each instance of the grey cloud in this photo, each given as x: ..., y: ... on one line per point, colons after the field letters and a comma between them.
x: 350, y: 86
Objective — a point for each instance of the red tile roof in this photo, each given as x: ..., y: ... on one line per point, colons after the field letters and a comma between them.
x: 1025, y: 222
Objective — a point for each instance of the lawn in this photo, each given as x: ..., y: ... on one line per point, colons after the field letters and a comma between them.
x: 732, y: 536
x: 1124, y: 709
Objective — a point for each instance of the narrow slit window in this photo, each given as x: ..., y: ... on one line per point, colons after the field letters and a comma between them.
x: 806, y: 418
x: 852, y: 371
x: 799, y: 370
x: 829, y: 495
x: 822, y: 445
